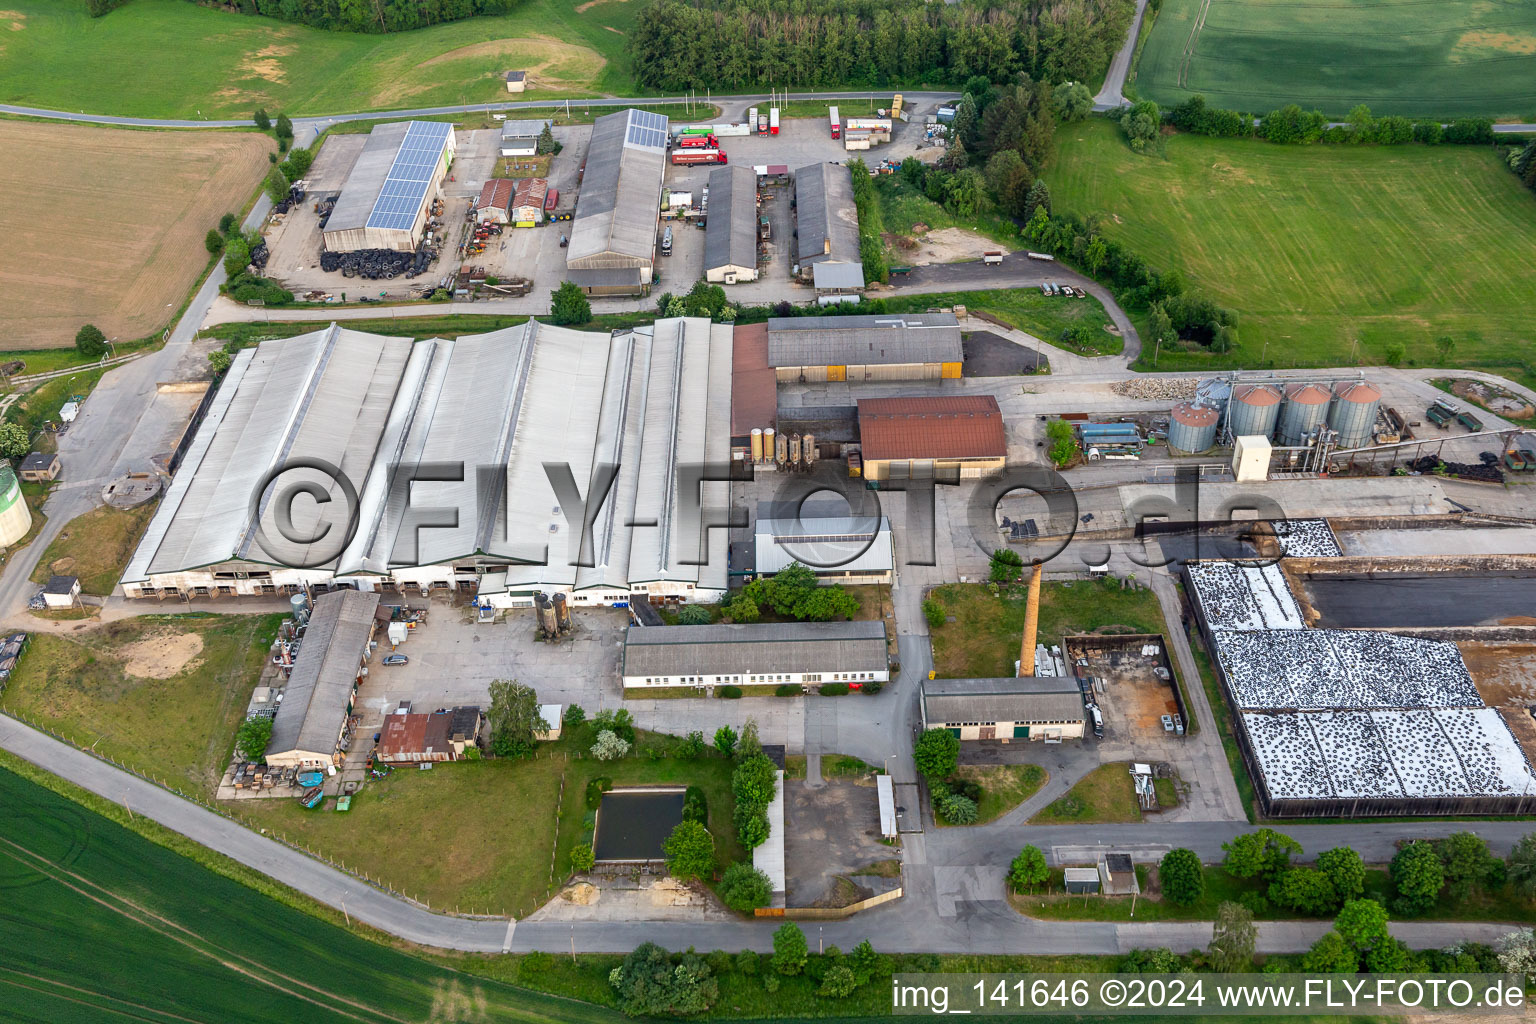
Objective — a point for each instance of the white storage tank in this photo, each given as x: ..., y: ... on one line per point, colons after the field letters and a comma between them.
x: 1355, y: 404
x: 15, y: 519
x: 1253, y: 410
x: 1192, y: 427
x: 1306, y: 409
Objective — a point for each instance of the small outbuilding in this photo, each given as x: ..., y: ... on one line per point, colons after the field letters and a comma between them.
x: 930, y: 437
x: 39, y: 467
x: 61, y: 592
x: 425, y: 738
x: 517, y: 81
x: 495, y: 199
x: 551, y: 715
x: 837, y: 283
x: 528, y: 201
x: 1081, y: 881
x: 521, y: 138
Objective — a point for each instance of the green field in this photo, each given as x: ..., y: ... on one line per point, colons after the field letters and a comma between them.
x: 171, y: 58
x: 102, y: 925
x: 1444, y: 59
x: 1319, y: 248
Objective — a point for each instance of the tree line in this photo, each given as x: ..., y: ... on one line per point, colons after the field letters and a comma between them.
x: 737, y: 43
x: 351, y: 15
x: 1291, y: 124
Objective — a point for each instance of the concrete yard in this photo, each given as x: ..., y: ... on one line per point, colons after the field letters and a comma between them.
x: 832, y: 831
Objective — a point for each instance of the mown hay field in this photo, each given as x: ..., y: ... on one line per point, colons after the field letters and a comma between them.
x: 174, y: 59
x: 1331, y: 255
x: 106, y: 225
x: 1445, y: 59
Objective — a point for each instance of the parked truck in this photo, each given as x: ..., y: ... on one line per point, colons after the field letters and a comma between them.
x: 773, y: 120
x: 689, y: 141
x: 992, y: 259
x: 837, y: 124
x: 762, y: 124
x: 698, y: 156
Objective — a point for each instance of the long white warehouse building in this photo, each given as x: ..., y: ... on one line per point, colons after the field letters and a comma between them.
x: 506, y: 405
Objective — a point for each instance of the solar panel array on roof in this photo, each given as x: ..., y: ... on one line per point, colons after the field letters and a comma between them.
x: 647, y: 129
x: 409, y: 176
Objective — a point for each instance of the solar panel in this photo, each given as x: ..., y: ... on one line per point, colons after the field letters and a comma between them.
x: 646, y: 129
x: 409, y: 177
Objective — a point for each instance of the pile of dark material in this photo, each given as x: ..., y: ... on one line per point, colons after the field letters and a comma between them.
x: 374, y: 264
x: 259, y: 256
x: 293, y: 200
x: 1466, y: 471
x: 324, y: 208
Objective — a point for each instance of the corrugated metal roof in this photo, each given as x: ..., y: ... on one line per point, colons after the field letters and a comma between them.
x: 730, y: 236
x: 620, y: 202
x: 864, y: 340
x: 827, y: 275
x: 759, y: 648
x: 315, y: 700
x: 391, y: 177
x: 522, y: 129
x: 608, y: 278
x: 496, y: 194
x: 1002, y: 700
x: 826, y: 220
x: 530, y: 192
x: 841, y: 543
x: 951, y: 427
x: 407, y: 735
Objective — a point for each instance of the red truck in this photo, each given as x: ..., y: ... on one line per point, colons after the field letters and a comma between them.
x: 697, y: 142
x: 552, y: 200
x: 698, y: 156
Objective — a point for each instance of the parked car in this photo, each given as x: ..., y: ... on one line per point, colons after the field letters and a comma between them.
x: 396, y: 659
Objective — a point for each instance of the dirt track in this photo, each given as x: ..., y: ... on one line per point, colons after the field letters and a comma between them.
x: 106, y: 225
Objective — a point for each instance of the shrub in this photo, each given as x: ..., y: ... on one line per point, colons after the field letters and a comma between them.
x: 744, y: 888
x: 1417, y: 878
x: 213, y: 242
x: 786, y: 690
x: 568, y: 305
x: 226, y: 224
x: 582, y: 858
x: 725, y: 740
x: 747, y: 961
x: 691, y: 746
x: 1028, y: 870
x: 837, y: 982
x: 933, y: 612
x: 872, y: 687
x: 649, y: 984
x: 958, y: 809
x: 609, y: 747
x: 1182, y: 877
x: 695, y: 806
x: 574, y: 716
x: 832, y: 689
x: 596, y: 787
x: 252, y: 738
x: 790, y: 952
x: 694, y: 615
x: 728, y: 692
x: 690, y: 851
x: 936, y: 753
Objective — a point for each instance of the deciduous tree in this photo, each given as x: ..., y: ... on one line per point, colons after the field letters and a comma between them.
x: 514, y: 718
x: 90, y: 342
x: 568, y: 305
x: 1029, y: 870
x: 690, y: 851
x: 936, y: 753
x: 1232, y: 939
x: 790, y: 951
x: 1181, y: 876
x: 1417, y: 877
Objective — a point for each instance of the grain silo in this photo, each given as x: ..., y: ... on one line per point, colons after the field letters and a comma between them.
x: 1305, y: 409
x: 768, y: 443
x: 1192, y: 427
x: 1355, y: 404
x: 1253, y: 410
x: 1214, y: 392
x: 757, y: 444
x: 15, y: 520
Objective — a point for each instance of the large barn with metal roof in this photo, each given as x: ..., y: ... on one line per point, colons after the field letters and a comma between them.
x: 612, y: 249
x: 896, y: 346
x: 505, y: 404
x: 388, y: 196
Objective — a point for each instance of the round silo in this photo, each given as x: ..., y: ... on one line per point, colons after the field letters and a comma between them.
x: 757, y: 444
x: 808, y: 446
x: 1354, y: 412
x: 1253, y: 410
x: 1192, y: 427
x: 768, y: 443
x: 15, y: 520
x: 1306, y: 409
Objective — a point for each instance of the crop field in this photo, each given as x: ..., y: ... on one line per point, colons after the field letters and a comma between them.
x: 1330, y: 255
x: 108, y: 224
x: 102, y: 925
x: 1443, y: 59
x: 170, y: 58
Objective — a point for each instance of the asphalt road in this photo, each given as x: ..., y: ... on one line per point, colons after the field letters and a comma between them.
x: 1111, y: 96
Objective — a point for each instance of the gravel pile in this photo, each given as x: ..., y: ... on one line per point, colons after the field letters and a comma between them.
x: 1156, y: 389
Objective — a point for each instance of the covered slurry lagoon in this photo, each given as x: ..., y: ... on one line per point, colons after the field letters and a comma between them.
x: 1368, y: 685
x: 632, y: 824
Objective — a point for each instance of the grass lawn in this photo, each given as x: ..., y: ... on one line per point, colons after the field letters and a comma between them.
x: 983, y: 641
x: 95, y: 547
x: 847, y: 106
x: 1446, y: 59
x: 41, y: 405
x: 1025, y: 309
x: 1003, y: 786
x: 1105, y: 794
x: 128, y: 689
x: 1167, y: 791
x: 1329, y: 254
x: 170, y: 58
x: 478, y: 835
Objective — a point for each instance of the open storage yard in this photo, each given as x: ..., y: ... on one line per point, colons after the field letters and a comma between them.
x: 108, y: 224
x: 1440, y: 242
x: 1452, y: 58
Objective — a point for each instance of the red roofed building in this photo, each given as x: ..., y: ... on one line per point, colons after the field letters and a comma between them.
x: 495, y: 197
x: 527, y: 207
x: 905, y: 437
x: 439, y: 736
